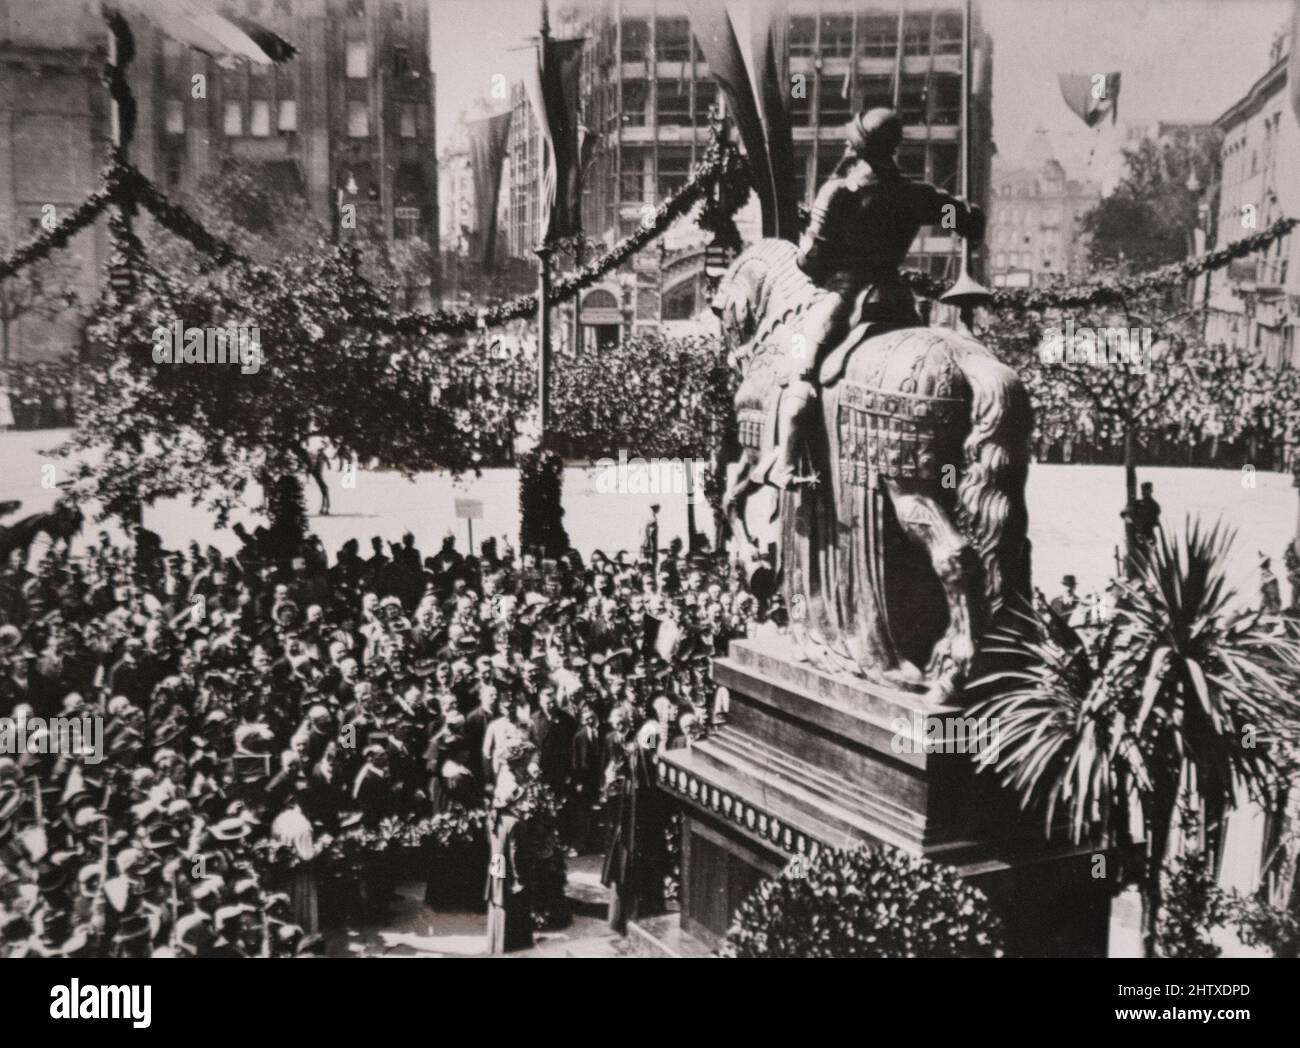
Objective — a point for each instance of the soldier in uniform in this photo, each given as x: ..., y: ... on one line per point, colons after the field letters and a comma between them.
x: 863, y: 222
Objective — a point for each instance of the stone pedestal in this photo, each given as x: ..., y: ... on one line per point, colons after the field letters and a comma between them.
x: 809, y: 760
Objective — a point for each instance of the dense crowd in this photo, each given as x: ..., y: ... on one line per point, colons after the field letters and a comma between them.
x: 250, y: 704
x: 37, y: 394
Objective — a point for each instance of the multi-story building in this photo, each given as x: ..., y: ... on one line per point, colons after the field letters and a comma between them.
x: 348, y: 120
x: 646, y: 93
x: 1035, y: 220
x: 1255, y: 303
x: 53, y: 142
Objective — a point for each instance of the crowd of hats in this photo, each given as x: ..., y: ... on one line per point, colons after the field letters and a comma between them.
x: 232, y: 687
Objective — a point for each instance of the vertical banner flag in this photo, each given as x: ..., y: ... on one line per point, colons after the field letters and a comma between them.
x: 767, y: 62
x: 717, y: 39
x: 487, y: 154
x: 553, y: 93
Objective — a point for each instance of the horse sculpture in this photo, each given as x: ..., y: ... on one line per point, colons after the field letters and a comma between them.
x: 62, y: 522
x: 914, y: 536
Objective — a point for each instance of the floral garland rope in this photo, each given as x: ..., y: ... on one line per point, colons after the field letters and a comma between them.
x: 723, y: 168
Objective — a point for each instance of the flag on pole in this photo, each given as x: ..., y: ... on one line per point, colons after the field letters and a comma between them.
x: 487, y: 153
x: 1091, y: 96
x: 767, y: 32
x: 553, y: 91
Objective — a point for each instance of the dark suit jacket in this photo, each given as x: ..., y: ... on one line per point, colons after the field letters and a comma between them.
x: 553, y: 737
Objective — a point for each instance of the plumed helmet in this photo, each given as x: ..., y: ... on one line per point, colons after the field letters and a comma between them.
x: 875, y: 133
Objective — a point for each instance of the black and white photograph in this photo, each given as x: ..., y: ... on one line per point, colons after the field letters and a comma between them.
x: 650, y: 479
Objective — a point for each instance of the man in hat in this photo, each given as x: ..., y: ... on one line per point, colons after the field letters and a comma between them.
x: 863, y: 222
x: 1064, y: 604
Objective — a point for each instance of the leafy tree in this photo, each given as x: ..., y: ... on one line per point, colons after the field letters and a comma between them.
x: 1180, y: 687
x: 1148, y: 219
x: 871, y: 902
x: 329, y: 372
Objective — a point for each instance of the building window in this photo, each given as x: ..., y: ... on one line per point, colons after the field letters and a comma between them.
x: 631, y: 179
x: 947, y: 100
x: 357, y: 62
x: 706, y: 97
x: 259, y: 118
x: 402, y: 67
x: 407, y: 120
x: 288, y: 115
x: 673, y: 39
x: 233, y: 122
x: 943, y: 165
x: 674, y: 102
x: 636, y: 96
x: 803, y: 37
x: 358, y: 120
x: 876, y: 91
x: 947, y: 34
x: 916, y: 34
x: 878, y: 36
x: 175, y: 120
x: 636, y: 40
x: 674, y: 170
x: 911, y: 100
x: 399, y: 11
x: 833, y: 104
x: 406, y: 222
x: 837, y: 36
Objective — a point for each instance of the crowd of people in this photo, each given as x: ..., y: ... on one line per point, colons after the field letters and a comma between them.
x: 249, y: 704
x: 37, y: 394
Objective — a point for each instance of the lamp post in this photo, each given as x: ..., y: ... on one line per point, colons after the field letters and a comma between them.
x: 967, y: 292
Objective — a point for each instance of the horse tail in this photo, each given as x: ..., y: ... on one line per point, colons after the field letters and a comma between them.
x: 991, y: 495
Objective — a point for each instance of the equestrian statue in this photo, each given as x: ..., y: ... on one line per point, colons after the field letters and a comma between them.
x: 897, y: 452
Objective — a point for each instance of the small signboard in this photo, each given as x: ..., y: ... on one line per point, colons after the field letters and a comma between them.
x: 469, y: 509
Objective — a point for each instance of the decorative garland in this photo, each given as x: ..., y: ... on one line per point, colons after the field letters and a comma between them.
x: 1108, y: 292
x: 40, y: 247
x: 721, y: 180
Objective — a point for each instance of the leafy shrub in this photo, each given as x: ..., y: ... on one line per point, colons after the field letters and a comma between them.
x: 865, y: 903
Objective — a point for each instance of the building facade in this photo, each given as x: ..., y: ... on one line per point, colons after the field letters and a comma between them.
x: 53, y: 143
x: 1035, y: 224
x: 646, y: 92
x: 1255, y: 303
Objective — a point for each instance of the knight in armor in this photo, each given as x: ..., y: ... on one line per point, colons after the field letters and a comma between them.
x: 863, y: 222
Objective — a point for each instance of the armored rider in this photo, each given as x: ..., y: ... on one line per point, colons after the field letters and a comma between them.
x: 863, y: 222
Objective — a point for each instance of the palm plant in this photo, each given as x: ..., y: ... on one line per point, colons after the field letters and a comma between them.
x: 1180, y: 693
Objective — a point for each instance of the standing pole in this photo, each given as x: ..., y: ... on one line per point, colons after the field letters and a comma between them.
x: 543, y: 343
x: 543, y: 253
x: 967, y: 292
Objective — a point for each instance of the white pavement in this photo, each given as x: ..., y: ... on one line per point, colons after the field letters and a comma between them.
x: 1073, y: 511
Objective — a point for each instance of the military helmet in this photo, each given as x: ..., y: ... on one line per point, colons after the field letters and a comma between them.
x: 875, y: 133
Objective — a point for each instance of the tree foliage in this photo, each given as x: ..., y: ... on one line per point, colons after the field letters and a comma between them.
x: 1180, y: 686
x: 1147, y: 220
